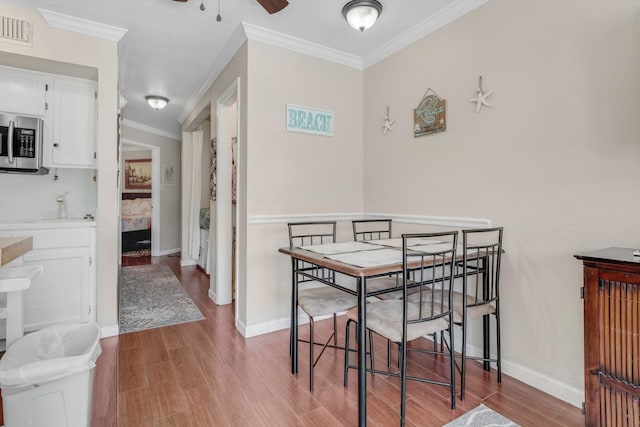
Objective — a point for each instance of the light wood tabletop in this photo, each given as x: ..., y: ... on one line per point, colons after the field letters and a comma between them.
x: 14, y: 247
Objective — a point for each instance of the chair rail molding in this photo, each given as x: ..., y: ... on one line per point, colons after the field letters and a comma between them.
x: 402, y: 218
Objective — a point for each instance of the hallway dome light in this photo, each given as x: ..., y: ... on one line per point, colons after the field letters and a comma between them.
x: 157, y: 102
x: 362, y: 14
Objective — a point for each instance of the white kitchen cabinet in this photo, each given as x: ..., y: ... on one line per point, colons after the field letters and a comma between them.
x: 22, y: 92
x: 65, y: 291
x: 70, y: 125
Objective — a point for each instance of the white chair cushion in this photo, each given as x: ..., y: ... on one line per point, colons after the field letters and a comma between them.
x: 472, y: 312
x: 385, y: 319
x: 381, y: 283
x: 325, y: 300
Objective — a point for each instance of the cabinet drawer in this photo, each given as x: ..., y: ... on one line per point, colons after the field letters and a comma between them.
x: 56, y: 238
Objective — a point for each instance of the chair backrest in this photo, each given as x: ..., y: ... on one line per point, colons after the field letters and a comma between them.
x: 371, y: 229
x: 429, y: 267
x: 481, y: 265
x: 311, y: 233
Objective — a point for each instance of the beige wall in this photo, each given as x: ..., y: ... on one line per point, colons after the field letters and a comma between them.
x: 169, y: 193
x: 291, y: 173
x: 556, y: 160
x: 69, y: 50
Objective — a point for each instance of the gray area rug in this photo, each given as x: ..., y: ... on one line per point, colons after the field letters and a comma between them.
x: 481, y: 417
x: 151, y: 296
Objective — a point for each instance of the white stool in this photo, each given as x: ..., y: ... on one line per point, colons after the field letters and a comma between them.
x: 14, y: 280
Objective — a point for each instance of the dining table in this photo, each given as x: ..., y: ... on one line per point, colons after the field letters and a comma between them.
x: 358, y: 260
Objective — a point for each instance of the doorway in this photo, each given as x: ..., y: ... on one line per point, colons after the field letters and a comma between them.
x: 223, y: 287
x: 139, y: 229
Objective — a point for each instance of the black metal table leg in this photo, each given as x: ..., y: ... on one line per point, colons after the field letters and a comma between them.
x: 362, y: 352
x: 294, y: 316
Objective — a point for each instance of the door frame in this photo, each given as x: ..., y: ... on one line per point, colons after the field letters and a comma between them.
x: 155, y: 193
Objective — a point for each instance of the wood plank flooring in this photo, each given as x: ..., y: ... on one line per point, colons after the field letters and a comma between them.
x: 205, y: 373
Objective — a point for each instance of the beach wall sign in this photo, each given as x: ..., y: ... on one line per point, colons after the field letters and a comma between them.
x: 309, y: 120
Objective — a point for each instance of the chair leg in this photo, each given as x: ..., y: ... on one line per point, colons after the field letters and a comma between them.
x: 347, y: 349
x: 388, y: 354
x: 403, y: 383
x: 291, y: 334
x: 463, y: 362
x: 371, y: 350
x: 311, y: 357
x: 335, y: 331
x: 499, y: 357
x: 452, y: 363
x: 346, y: 352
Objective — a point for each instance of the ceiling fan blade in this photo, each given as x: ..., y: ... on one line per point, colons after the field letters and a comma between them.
x: 273, y: 6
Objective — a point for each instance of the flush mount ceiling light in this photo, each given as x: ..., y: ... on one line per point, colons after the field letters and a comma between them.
x: 362, y: 14
x: 157, y: 102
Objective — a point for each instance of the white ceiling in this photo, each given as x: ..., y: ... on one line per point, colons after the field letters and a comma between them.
x: 171, y: 48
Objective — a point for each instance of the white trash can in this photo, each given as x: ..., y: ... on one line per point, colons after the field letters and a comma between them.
x: 47, y: 377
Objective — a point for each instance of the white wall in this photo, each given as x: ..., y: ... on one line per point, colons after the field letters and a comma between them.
x: 556, y: 160
x: 27, y: 197
x: 67, y: 52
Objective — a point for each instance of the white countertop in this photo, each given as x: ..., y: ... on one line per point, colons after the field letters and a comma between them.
x: 46, y: 223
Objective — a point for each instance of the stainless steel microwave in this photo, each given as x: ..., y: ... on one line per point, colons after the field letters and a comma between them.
x: 21, y: 144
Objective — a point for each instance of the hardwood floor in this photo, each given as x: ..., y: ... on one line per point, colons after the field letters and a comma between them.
x: 205, y: 373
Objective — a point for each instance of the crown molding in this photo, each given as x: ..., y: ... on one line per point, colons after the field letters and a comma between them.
x: 247, y: 31
x: 285, y: 41
x: 149, y: 129
x: 443, y: 17
x: 231, y: 47
x: 83, y: 26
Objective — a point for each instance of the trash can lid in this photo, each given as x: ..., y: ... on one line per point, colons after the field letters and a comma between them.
x: 50, y: 353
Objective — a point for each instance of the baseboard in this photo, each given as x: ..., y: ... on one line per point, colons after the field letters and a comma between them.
x: 187, y: 262
x: 280, y: 324
x: 535, y: 379
x: 212, y: 295
x: 264, y: 328
x: 109, y: 331
x: 169, y: 251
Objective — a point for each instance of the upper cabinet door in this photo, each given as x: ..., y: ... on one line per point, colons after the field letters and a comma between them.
x: 73, y: 111
x: 22, y: 92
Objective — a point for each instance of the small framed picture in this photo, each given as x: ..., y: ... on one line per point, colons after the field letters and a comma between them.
x: 168, y: 175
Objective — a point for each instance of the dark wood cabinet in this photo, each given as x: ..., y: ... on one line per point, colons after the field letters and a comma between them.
x: 611, y: 337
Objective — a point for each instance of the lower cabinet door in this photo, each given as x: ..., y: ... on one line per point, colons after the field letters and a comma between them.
x: 61, y: 293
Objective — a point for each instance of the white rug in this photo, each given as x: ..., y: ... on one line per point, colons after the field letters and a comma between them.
x: 151, y: 296
x: 481, y: 417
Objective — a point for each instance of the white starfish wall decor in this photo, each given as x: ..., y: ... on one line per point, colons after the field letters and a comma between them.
x: 387, y: 123
x: 481, y: 98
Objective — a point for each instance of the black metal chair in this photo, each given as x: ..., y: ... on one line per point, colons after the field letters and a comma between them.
x: 429, y: 271
x: 481, y: 285
x: 376, y: 229
x: 371, y: 229
x: 320, y: 300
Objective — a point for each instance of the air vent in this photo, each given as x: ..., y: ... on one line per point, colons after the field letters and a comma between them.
x: 15, y: 30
